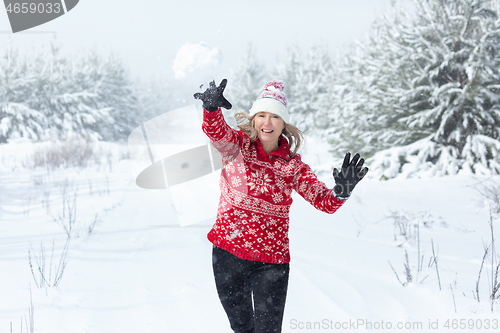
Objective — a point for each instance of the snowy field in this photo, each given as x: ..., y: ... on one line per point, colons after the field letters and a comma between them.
x: 129, y: 266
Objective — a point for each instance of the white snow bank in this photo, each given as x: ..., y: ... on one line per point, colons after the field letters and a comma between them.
x: 138, y: 270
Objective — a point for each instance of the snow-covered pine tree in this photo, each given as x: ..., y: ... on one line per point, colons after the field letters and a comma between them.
x: 18, y: 118
x: 364, y: 94
x: 307, y: 76
x: 46, y: 96
x: 245, y: 85
x: 68, y: 96
x: 247, y: 81
x: 156, y: 97
x: 115, y: 91
x: 430, y: 84
x: 309, y: 91
x: 342, y: 106
x: 286, y: 70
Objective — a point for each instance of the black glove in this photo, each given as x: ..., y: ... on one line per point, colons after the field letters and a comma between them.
x: 349, y: 175
x: 212, y: 97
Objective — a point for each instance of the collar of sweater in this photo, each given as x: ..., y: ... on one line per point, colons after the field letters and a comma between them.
x: 283, y: 150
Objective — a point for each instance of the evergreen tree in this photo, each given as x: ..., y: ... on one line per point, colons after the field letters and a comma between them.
x: 81, y: 109
x: 156, y: 97
x: 309, y: 90
x: 72, y: 106
x: 307, y: 76
x: 17, y: 118
x: 116, y: 93
x: 247, y: 81
x: 429, y: 83
x: 340, y: 106
x: 45, y: 96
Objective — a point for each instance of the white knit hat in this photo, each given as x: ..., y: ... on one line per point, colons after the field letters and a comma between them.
x: 272, y: 100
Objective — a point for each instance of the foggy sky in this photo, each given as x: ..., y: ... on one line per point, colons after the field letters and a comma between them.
x: 148, y: 34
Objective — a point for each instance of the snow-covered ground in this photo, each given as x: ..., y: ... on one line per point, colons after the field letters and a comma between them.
x: 132, y: 268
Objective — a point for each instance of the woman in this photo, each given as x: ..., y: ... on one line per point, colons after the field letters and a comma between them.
x: 250, y: 236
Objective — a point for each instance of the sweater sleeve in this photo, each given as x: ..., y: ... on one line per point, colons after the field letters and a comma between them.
x: 315, y: 191
x: 224, y: 138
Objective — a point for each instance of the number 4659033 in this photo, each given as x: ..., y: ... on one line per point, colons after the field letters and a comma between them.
x: 32, y: 8
x: 471, y: 324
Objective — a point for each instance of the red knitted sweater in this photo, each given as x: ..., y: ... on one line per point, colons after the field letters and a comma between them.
x: 256, y: 193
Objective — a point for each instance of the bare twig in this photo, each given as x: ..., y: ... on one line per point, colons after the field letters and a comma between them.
x: 397, y: 276
x: 409, y: 277
x: 92, y: 224
x: 453, y: 296
x: 436, y: 262
x: 31, y: 313
x: 68, y: 219
x: 496, y: 284
x: 453, y: 287
x: 424, y: 278
x: 495, y: 266
x: 419, y: 263
x: 41, y: 279
x: 30, y: 326
x: 486, y: 251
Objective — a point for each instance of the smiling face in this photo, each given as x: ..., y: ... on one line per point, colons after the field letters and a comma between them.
x: 269, y: 127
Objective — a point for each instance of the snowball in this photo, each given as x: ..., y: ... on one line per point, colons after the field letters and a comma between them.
x: 195, y: 57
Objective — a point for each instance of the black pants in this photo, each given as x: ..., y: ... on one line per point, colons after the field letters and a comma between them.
x: 237, y: 280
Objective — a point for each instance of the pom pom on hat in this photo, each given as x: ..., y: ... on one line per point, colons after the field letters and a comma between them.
x: 275, y: 85
x: 272, y: 100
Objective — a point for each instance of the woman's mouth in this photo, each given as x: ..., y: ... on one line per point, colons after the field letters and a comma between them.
x: 267, y: 131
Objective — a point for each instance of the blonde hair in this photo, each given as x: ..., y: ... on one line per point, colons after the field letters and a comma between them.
x: 294, y: 136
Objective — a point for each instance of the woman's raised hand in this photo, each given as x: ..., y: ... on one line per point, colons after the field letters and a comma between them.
x: 212, y: 97
x: 349, y: 175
